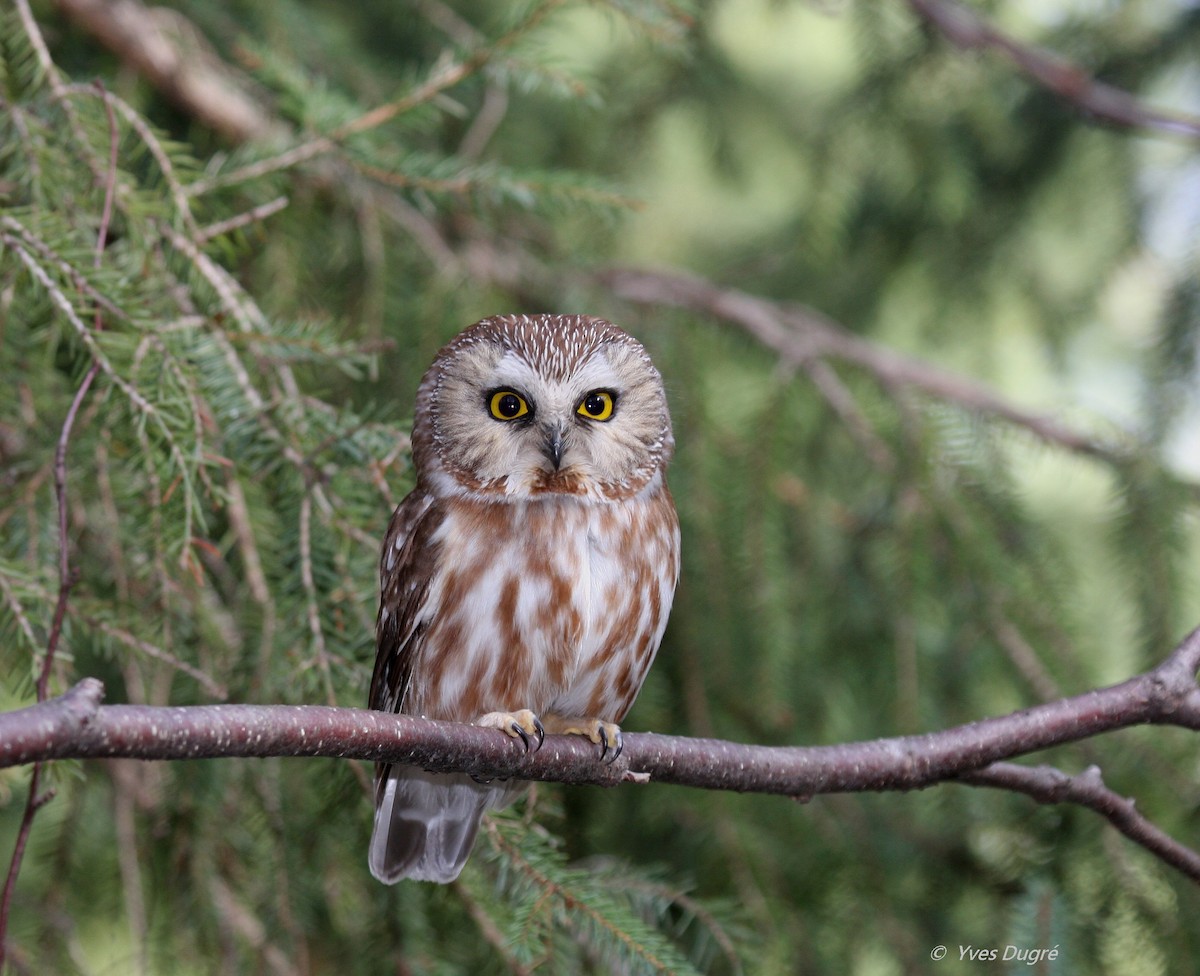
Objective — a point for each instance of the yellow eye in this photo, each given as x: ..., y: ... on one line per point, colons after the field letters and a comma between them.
x: 506, y: 405
x: 597, y: 405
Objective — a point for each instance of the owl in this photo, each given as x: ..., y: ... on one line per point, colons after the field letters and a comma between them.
x: 527, y: 579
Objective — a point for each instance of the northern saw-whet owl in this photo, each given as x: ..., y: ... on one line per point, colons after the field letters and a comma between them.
x: 527, y: 579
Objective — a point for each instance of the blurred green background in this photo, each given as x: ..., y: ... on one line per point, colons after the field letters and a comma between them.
x: 861, y: 558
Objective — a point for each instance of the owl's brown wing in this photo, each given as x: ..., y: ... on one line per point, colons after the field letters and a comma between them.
x: 406, y: 568
x: 425, y: 823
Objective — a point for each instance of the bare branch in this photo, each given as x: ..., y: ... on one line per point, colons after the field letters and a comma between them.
x: 177, y: 60
x: 800, y: 335
x: 77, y: 726
x: 1070, y: 82
x: 1049, y: 785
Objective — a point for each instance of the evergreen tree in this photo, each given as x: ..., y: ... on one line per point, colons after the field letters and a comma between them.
x: 966, y: 485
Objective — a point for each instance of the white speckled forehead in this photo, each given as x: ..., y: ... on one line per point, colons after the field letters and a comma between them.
x: 559, y: 345
x: 595, y: 372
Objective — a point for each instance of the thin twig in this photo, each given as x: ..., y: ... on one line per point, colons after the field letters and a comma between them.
x: 205, y: 680
x: 693, y: 907
x: 65, y: 576
x: 17, y: 610
x: 242, y: 921
x: 253, y: 216
x: 264, y: 167
x: 310, y: 591
x: 579, y: 908
x: 149, y: 139
x: 33, y: 802
x: 447, y: 76
x: 87, y: 337
x: 38, y: 43
x: 842, y: 402
x: 65, y: 267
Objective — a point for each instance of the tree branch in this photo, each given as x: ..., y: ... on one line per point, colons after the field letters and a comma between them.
x: 177, y: 60
x: 800, y: 335
x: 1049, y: 785
x: 965, y: 29
x: 77, y: 726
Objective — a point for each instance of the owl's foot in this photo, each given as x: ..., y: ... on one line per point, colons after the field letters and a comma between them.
x: 521, y: 724
x: 607, y: 735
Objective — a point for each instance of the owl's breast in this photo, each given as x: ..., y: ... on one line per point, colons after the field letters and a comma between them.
x: 544, y: 604
x: 506, y: 607
x: 633, y: 567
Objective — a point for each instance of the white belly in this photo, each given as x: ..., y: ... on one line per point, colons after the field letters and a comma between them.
x: 555, y: 604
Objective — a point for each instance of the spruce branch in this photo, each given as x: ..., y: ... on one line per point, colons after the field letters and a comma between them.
x: 448, y: 72
x: 76, y: 725
x: 149, y: 139
x: 172, y: 55
x: 570, y: 899
x: 36, y: 799
x: 140, y: 403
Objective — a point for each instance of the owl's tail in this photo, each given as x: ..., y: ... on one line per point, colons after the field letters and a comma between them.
x: 425, y: 823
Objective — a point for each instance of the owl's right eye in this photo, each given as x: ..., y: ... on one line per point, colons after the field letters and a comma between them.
x: 507, y: 405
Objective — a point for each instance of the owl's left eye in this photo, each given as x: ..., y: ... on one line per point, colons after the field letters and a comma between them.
x: 507, y: 405
x: 597, y: 405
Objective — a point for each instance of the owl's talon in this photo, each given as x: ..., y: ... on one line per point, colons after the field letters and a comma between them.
x: 522, y: 724
x: 620, y: 747
x: 607, y: 735
x: 610, y: 738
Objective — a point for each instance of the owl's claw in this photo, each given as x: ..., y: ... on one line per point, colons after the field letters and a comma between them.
x: 522, y: 724
x: 538, y: 730
x: 617, y: 744
x: 607, y: 735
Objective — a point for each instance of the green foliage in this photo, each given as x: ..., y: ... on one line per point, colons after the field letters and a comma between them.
x: 859, y: 560
x: 602, y: 916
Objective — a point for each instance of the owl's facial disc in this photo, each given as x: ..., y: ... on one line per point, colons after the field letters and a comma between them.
x: 512, y: 429
x: 544, y: 445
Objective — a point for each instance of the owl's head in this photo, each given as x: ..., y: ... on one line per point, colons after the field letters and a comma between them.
x: 519, y: 406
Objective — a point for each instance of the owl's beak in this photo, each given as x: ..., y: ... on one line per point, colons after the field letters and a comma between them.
x: 552, y: 447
